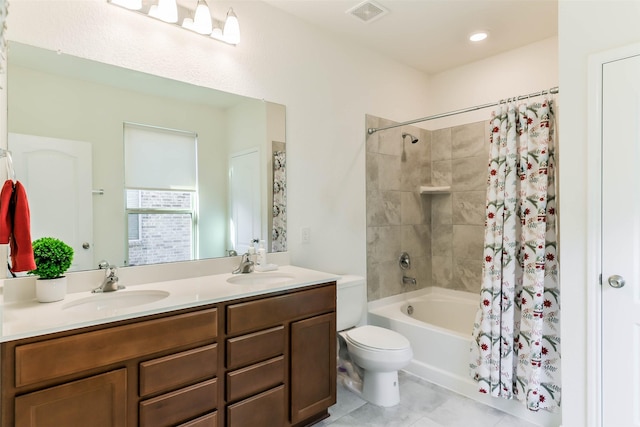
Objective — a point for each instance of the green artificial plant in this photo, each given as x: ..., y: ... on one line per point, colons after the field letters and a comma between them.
x: 52, y: 256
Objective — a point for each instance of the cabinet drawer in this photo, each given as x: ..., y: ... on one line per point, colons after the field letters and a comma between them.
x: 176, y: 407
x: 252, y: 348
x: 265, y: 409
x: 209, y: 420
x: 178, y: 370
x: 58, y: 357
x: 255, y: 378
x: 262, y: 313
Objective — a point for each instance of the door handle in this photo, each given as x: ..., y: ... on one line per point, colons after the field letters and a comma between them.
x: 616, y: 281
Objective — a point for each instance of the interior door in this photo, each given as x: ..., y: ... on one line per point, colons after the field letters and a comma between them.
x: 56, y: 174
x: 621, y: 242
x: 245, y: 195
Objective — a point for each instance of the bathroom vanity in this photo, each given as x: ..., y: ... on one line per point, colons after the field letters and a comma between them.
x: 259, y: 355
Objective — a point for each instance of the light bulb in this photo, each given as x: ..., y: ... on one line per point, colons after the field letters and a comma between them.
x: 202, y: 19
x: 165, y: 10
x: 231, y: 31
x: 479, y: 36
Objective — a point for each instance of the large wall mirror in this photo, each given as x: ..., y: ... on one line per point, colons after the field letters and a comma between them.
x: 137, y: 169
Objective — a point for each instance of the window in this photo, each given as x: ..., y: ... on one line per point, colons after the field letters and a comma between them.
x: 161, y: 194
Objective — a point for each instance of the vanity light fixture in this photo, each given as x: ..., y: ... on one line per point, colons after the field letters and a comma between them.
x: 198, y: 20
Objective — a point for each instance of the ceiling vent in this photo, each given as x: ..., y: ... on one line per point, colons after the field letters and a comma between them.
x: 367, y: 11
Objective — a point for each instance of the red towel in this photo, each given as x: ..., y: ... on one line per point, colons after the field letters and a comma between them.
x: 6, y: 219
x: 15, y: 226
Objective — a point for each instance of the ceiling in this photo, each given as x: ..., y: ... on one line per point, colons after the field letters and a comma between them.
x: 432, y: 35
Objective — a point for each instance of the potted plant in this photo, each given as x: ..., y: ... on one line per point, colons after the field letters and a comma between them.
x: 53, y: 258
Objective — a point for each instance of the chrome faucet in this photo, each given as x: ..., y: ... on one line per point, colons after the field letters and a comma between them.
x: 246, y: 265
x: 409, y: 281
x: 110, y: 282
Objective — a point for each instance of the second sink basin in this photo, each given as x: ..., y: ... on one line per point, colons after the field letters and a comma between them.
x: 115, y: 300
x: 259, y: 279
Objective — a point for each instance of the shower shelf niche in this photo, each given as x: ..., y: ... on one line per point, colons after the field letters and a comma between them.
x: 431, y: 189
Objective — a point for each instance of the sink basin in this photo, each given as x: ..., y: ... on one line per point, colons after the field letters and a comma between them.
x: 114, y: 300
x: 260, y: 279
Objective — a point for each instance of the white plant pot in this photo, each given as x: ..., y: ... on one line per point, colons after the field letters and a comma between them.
x: 50, y: 290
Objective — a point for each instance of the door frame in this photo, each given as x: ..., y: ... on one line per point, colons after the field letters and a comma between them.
x: 594, y: 228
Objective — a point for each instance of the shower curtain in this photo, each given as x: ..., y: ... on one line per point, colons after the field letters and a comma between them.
x: 279, y: 230
x: 515, y: 350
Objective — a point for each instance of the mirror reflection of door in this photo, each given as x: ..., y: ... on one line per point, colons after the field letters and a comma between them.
x: 244, y: 194
x: 56, y: 174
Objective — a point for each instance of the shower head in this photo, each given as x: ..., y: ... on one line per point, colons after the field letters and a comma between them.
x: 413, y: 138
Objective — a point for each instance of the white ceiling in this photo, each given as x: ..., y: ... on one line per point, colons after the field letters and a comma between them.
x: 432, y: 35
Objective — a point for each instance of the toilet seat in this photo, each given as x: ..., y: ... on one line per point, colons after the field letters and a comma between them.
x: 376, y: 338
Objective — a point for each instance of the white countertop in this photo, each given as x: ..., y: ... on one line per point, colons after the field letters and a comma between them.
x: 30, y: 318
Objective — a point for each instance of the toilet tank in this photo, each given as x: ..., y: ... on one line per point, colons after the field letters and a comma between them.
x: 351, y: 301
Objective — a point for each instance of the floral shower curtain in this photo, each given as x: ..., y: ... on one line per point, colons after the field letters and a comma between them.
x: 279, y: 230
x: 515, y: 349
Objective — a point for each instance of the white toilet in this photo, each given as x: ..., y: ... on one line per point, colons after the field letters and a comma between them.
x: 379, y: 352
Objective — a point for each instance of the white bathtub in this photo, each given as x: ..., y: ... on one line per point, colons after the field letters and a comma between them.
x: 440, y: 334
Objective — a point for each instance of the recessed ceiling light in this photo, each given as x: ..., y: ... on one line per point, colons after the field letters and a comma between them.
x: 478, y: 36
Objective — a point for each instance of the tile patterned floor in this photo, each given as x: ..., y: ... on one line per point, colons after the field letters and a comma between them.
x: 422, y: 404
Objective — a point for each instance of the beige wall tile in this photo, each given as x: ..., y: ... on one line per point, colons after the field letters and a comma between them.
x: 442, y: 271
x: 468, y: 207
x: 383, y: 243
x: 416, y: 240
x: 384, y: 208
x: 467, y: 274
x: 468, y: 140
x: 468, y: 241
x: 441, y: 172
x: 441, y: 208
x: 442, y: 240
x: 441, y: 144
x: 469, y: 174
x: 415, y: 209
x: 372, y: 171
x: 389, y: 172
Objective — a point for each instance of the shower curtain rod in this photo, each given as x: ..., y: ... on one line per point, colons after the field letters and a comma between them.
x: 553, y: 90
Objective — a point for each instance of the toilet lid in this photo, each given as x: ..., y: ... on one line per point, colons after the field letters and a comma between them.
x: 376, y: 337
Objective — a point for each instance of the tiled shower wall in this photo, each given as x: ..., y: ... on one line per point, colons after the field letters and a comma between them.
x: 443, y: 233
x: 398, y: 218
x: 460, y: 156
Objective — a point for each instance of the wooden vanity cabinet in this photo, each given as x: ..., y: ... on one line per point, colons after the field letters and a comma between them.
x: 260, y: 361
x: 283, y: 348
x: 129, y: 373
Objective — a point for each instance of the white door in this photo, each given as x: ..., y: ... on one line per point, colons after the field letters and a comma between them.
x: 245, y: 196
x: 56, y: 174
x: 621, y: 242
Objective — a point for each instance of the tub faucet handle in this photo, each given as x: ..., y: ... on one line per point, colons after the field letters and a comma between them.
x: 404, y: 261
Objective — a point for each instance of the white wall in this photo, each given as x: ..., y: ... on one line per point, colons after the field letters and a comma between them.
x: 586, y: 27
x: 521, y: 71
x: 327, y: 86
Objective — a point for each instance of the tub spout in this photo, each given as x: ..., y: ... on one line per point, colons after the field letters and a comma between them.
x: 409, y: 281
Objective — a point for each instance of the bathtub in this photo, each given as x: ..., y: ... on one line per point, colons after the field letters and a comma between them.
x: 439, y: 330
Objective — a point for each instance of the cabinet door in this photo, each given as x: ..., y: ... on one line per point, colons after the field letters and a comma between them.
x: 98, y: 401
x: 313, y: 366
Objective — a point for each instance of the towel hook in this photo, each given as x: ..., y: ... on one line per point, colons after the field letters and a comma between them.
x: 11, y: 173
